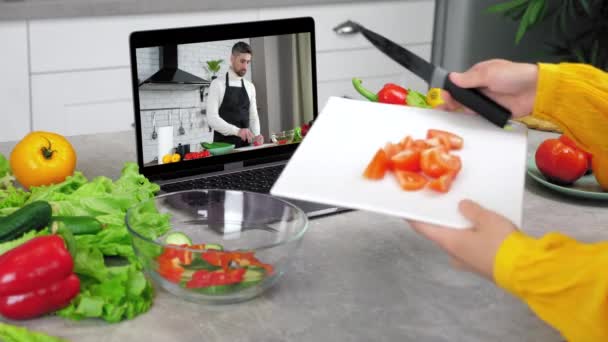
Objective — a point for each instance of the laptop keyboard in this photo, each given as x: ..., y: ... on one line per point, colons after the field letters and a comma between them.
x: 255, y: 180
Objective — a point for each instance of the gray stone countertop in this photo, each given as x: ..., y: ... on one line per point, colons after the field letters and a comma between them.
x: 45, y: 9
x: 358, y: 276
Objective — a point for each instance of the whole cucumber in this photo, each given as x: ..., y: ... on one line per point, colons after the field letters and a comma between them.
x: 78, y: 225
x: 32, y: 216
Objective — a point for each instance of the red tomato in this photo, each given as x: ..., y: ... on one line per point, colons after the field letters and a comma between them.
x: 420, y: 144
x: 378, y: 166
x: 439, y: 141
x: 455, y: 141
x: 450, y: 162
x: 443, y: 183
x: 560, y: 163
x: 406, y: 142
x: 412, y: 160
x: 391, y: 149
x: 566, y: 140
x: 436, y: 162
x: 410, y: 180
x: 406, y: 160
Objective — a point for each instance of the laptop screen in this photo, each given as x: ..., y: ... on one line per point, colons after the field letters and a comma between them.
x: 209, y: 96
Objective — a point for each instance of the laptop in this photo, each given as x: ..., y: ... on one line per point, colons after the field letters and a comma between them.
x: 172, y: 71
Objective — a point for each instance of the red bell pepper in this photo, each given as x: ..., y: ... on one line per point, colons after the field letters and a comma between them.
x: 36, y: 278
x: 40, y: 301
x: 390, y: 93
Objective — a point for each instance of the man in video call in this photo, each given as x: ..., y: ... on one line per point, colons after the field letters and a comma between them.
x: 231, y: 104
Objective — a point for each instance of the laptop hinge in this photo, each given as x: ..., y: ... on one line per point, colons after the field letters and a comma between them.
x: 233, y: 166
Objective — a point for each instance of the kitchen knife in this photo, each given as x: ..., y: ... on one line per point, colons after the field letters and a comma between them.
x: 435, y: 76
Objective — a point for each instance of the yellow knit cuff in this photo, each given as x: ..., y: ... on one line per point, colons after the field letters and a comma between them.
x: 506, y: 257
x: 548, y: 81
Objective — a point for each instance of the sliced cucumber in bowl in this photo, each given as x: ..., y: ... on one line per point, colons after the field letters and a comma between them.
x: 178, y: 238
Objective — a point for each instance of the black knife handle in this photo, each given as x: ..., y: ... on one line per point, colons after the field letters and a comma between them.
x: 479, y: 103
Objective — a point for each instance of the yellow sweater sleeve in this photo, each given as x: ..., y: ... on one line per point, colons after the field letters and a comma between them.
x: 575, y: 97
x: 563, y: 281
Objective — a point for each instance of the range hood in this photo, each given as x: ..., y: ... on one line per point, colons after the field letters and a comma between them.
x: 170, y: 77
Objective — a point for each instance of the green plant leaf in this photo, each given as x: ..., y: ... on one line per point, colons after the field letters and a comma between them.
x: 506, y: 6
x: 526, y: 21
x: 214, y: 65
x: 572, y: 9
x: 563, y: 18
x: 516, y: 13
x: 579, y: 55
x: 585, y: 5
x: 555, y: 27
x: 543, y: 12
x: 536, y: 10
x: 595, y: 52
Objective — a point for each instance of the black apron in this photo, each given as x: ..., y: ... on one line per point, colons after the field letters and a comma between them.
x: 234, y: 110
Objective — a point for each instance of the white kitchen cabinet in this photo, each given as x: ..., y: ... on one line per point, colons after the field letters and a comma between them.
x: 337, y: 65
x: 98, y: 43
x: 83, y: 102
x: 404, y: 22
x: 14, y: 81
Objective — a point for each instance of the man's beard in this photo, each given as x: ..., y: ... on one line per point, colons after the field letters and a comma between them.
x: 241, y: 72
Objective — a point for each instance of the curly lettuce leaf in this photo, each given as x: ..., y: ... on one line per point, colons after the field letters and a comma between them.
x: 12, y: 199
x: 6, y: 178
x: 11, y: 333
x: 112, y: 293
x: 9, y: 195
x: 123, y: 294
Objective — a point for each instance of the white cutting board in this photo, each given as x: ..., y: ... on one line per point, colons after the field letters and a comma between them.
x: 328, y: 165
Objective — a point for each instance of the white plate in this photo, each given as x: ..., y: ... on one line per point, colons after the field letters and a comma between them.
x: 328, y: 165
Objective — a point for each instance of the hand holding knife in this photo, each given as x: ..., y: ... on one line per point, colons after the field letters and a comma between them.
x: 434, y: 75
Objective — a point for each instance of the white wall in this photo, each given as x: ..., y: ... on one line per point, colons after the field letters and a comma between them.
x: 14, y: 81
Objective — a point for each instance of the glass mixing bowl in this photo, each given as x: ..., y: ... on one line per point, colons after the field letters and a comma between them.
x: 282, y: 138
x: 216, y: 246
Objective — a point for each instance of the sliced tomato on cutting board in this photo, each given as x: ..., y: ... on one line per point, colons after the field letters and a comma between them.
x: 378, y: 166
x: 436, y: 162
x: 413, y: 160
x: 406, y: 160
x: 456, y: 142
x: 406, y: 142
x: 410, y: 181
x: 443, y: 183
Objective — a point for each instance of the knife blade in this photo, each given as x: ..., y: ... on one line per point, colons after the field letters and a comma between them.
x: 435, y: 76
